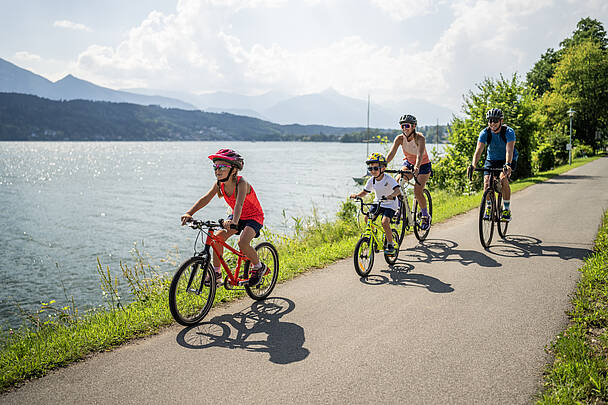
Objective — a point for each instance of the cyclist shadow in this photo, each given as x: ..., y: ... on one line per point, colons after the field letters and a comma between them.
x: 284, y: 342
x: 443, y: 250
x: 529, y: 246
x: 400, y: 274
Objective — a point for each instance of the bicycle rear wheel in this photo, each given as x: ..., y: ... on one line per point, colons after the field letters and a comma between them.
x: 501, y: 225
x: 486, y: 219
x: 364, y: 256
x: 418, y: 231
x: 270, y: 257
x: 192, y: 291
x: 391, y: 259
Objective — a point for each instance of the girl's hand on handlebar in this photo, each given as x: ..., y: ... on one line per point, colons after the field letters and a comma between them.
x: 353, y: 196
x: 186, y: 218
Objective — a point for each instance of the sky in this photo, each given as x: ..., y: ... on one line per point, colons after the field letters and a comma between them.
x: 435, y: 50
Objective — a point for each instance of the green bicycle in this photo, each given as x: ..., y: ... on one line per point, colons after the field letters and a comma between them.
x: 372, y: 237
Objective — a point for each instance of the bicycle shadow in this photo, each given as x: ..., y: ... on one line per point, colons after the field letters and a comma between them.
x: 284, y: 342
x: 401, y: 275
x: 443, y: 250
x: 529, y: 246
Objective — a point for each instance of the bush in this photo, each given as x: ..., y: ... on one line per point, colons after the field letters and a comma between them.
x: 543, y: 158
x: 582, y: 151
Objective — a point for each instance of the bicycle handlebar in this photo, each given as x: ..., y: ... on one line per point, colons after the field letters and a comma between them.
x: 196, y: 224
x: 403, y: 172
x: 369, y: 212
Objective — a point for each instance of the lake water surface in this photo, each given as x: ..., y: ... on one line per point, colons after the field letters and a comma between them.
x: 65, y: 204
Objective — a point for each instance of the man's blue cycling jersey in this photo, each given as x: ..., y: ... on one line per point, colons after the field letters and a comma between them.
x: 497, y: 150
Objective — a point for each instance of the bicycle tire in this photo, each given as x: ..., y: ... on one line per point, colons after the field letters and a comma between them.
x: 190, y: 297
x: 401, y: 221
x: 486, y: 226
x: 501, y: 225
x: 422, y: 234
x: 364, y: 256
x: 391, y: 259
x: 270, y: 257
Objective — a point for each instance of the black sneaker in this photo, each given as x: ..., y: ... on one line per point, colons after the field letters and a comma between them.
x: 256, y: 275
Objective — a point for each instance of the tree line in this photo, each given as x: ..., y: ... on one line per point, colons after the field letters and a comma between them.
x: 571, y: 78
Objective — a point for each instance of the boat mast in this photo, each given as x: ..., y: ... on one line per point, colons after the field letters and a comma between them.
x: 367, y: 148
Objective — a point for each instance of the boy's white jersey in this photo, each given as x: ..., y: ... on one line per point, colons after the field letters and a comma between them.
x: 383, y: 188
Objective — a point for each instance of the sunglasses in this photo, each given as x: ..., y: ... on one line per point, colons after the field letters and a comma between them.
x: 220, y: 167
x: 373, y: 168
x: 493, y: 120
x: 406, y: 126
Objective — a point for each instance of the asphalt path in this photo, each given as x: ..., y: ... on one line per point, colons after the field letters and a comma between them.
x: 449, y: 323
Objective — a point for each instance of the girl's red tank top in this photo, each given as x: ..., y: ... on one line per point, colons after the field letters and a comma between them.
x: 251, y: 206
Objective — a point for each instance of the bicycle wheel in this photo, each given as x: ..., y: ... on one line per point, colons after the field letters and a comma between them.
x: 270, y: 257
x: 501, y: 225
x: 400, y: 221
x: 364, y: 256
x: 486, y: 220
x: 419, y: 232
x: 192, y: 291
x: 391, y: 259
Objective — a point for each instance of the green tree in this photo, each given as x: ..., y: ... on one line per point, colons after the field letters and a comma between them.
x: 581, y: 82
x: 538, y: 77
x: 587, y: 29
x: 517, y: 103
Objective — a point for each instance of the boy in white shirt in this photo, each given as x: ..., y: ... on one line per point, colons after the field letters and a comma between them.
x: 386, y: 191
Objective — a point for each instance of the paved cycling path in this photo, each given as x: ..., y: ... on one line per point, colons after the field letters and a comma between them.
x: 450, y: 323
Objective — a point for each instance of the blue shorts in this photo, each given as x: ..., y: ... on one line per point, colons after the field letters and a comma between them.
x: 385, y: 212
x: 424, y: 169
x: 498, y: 164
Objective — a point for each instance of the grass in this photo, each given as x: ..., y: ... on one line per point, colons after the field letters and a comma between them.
x: 35, y: 350
x: 579, y: 373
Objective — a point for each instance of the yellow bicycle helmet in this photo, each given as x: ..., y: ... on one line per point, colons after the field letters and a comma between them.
x: 376, y: 158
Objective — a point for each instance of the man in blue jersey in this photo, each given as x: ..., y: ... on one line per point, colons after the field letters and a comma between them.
x: 500, y: 140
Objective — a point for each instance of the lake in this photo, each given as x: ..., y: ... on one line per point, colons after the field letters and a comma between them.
x: 63, y: 205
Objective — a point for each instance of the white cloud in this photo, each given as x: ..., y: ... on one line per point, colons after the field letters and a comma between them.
x: 26, y: 56
x: 71, y: 25
x: 404, y: 9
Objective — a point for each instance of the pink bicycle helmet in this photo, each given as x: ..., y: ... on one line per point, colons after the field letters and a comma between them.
x: 230, y: 156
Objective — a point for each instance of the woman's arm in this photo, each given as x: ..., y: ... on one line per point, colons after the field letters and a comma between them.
x: 391, y: 154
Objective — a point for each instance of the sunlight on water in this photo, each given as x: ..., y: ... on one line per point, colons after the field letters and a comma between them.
x: 64, y: 204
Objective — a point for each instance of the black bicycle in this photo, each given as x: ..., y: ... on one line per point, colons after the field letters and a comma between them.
x: 489, y: 209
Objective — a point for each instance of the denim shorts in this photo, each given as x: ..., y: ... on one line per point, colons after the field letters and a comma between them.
x: 424, y: 169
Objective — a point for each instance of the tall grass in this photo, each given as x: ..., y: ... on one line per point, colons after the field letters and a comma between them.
x: 65, y: 337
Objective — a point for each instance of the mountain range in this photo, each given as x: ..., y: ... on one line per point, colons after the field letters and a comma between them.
x: 328, y: 108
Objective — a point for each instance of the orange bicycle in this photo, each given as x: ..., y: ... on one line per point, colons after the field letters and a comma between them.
x: 193, y: 286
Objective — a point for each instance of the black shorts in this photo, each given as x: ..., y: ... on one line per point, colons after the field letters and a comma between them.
x: 385, y: 212
x: 255, y: 225
x: 498, y: 164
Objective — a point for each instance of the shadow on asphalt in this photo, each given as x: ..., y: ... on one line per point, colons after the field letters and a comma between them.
x: 443, y: 250
x: 400, y: 275
x: 529, y: 246
x: 564, y: 178
x: 284, y: 340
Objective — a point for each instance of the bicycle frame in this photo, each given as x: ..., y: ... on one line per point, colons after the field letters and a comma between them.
x: 404, y: 184
x: 213, y: 241
x: 373, y: 229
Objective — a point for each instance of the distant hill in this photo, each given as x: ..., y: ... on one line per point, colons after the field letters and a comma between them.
x: 14, y: 79
x: 26, y: 117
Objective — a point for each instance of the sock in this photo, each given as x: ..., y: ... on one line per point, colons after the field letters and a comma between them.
x: 424, y: 213
x: 217, y: 269
x: 507, y: 204
x: 257, y: 266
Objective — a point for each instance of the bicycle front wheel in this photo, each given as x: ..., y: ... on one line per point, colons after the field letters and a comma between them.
x: 487, y: 214
x: 192, y: 291
x: 270, y: 257
x: 501, y: 225
x: 400, y: 221
x: 420, y: 233
x: 364, y: 256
